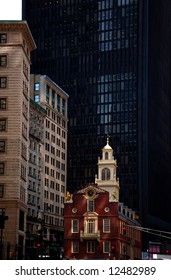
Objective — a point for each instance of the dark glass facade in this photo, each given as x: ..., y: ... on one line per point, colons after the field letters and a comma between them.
x: 159, y: 110
x: 101, y: 54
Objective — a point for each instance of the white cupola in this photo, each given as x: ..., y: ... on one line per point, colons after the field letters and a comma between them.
x: 106, y: 178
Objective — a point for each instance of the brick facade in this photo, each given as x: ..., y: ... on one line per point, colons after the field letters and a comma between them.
x: 100, y: 235
x: 94, y: 219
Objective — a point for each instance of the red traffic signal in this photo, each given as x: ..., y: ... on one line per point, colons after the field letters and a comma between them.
x: 168, y: 251
x: 113, y: 249
x: 124, y: 230
x: 38, y: 245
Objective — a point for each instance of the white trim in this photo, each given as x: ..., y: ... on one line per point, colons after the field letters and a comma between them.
x: 77, y: 226
x: 77, y: 246
x: 104, y: 243
x: 106, y: 223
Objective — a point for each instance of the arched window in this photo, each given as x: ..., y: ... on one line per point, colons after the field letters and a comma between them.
x: 106, y: 174
x: 106, y: 155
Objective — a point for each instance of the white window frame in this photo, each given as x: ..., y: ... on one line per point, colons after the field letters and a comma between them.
x: 106, y: 225
x: 90, y: 247
x: 106, y: 247
x: 75, y: 228
x: 90, y: 205
x: 75, y: 246
x: 91, y: 226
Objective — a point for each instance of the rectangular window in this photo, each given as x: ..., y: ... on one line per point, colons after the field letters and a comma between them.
x: 23, y: 172
x: 21, y: 220
x: 90, y: 247
x: 2, y: 211
x: 106, y: 225
x: 63, y: 107
x: 58, y: 102
x: 22, y: 193
x: 1, y: 190
x: 74, y: 226
x: 90, y: 205
x: 47, y: 93
x: 106, y: 247
x: 24, y: 130
x: 3, y: 38
x: 75, y: 247
x: 2, y: 168
x: 2, y: 103
x: 25, y: 68
x: 53, y: 98
x: 3, y: 82
x: 91, y: 226
x: 36, y: 98
x: 25, y: 89
x: 24, y: 151
x: 3, y: 60
x: 2, y: 146
x: 36, y: 86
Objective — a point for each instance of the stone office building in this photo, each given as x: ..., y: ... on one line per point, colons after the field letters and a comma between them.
x: 16, y: 43
x: 35, y: 176
x: 54, y: 100
x: 33, y: 158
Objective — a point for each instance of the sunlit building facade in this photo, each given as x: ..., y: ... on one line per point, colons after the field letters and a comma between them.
x: 16, y: 43
x: 53, y: 173
x: 35, y: 183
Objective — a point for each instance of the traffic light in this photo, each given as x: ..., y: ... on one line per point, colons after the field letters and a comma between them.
x: 165, y: 248
x: 38, y: 245
x: 113, y: 248
x: 168, y: 252
x: 124, y: 230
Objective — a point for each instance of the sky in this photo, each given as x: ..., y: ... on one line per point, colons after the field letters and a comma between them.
x: 10, y: 9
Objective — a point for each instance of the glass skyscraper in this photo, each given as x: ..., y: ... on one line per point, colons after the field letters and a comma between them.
x: 101, y: 54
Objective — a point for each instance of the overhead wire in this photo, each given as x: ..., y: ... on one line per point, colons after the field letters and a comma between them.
x: 152, y: 231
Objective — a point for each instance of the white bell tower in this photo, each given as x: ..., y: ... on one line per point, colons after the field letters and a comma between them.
x: 106, y: 178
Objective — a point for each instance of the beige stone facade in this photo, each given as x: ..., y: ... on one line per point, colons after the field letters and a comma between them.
x: 37, y: 115
x: 16, y: 42
x: 107, y: 177
x: 55, y: 101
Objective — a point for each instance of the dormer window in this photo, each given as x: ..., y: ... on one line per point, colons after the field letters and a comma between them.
x: 90, y: 205
x: 105, y: 174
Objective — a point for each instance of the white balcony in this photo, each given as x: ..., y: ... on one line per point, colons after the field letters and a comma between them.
x: 90, y: 236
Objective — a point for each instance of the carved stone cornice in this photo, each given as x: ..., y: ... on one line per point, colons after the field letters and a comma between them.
x: 19, y: 26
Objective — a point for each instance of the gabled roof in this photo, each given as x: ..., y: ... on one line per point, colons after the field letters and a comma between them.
x: 95, y: 186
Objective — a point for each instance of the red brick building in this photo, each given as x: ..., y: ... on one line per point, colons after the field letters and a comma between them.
x: 96, y: 224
